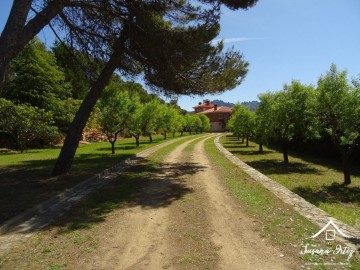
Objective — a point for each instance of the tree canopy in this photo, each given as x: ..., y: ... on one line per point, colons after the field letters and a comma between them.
x: 339, y: 113
x: 167, y: 42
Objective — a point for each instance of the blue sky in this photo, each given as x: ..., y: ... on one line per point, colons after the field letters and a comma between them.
x: 282, y: 40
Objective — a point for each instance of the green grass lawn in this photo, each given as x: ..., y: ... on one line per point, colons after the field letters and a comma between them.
x: 315, y: 179
x: 25, y: 179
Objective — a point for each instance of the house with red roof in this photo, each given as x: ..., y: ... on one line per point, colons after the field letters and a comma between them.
x: 218, y: 116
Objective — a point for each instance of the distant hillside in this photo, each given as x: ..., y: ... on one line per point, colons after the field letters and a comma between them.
x: 252, y: 104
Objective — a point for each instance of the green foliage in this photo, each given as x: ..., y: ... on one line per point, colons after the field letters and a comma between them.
x: 168, y: 119
x: 193, y: 123
x: 287, y: 114
x: 242, y: 122
x: 78, y: 69
x: 115, y: 110
x: 205, y: 123
x: 339, y: 113
x: 25, y: 123
x: 150, y: 115
x: 35, y: 79
x: 134, y: 123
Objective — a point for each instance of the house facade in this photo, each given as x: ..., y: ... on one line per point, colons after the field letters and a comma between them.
x: 218, y: 115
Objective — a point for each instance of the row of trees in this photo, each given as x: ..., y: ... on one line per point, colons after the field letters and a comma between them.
x: 300, y: 112
x: 168, y: 43
x: 123, y: 113
x: 42, y: 94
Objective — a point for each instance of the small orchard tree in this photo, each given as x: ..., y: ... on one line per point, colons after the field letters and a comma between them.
x: 339, y: 113
x: 150, y: 118
x: 242, y: 122
x: 177, y: 123
x: 167, y: 119
x: 134, y: 123
x: 26, y: 123
x: 205, y: 123
x: 114, y: 112
x: 288, y: 113
x: 234, y: 125
x: 263, y: 123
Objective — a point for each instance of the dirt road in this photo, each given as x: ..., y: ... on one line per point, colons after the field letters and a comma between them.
x: 186, y: 220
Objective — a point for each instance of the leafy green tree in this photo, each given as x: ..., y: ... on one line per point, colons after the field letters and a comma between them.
x: 26, y: 123
x: 150, y: 115
x: 339, y: 113
x: 263, y: 123
x: 242, y: 122
x: 167, y: 120
x: 35, y: 79
x: 177, y: 122
x: 134, y: 123
x: 115, y: 109
x: 205, y: 123
x: 78, y: 69
x: 167, y: 42
x: 290, y: 113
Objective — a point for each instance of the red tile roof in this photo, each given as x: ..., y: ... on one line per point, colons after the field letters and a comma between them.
x: 222, y: 109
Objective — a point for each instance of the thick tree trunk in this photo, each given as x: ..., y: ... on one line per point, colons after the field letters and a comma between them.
x: 238, y: 138
x: 285, y: 153
x: 164, y: 135
x: 242, y: 139
x: 17, y: 33
x: 66, y: 157
x: 260, y: 148
x: 181, y: 133
x: 173, y: 135
x: 150, y: 137
x: 346, y: 169
x: 247, y: 141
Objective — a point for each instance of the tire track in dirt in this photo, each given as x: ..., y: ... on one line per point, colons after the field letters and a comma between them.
x: 241, y: 247
x: 184, y: 218
x: 138, y: 237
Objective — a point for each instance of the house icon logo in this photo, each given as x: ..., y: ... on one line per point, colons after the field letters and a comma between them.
x: 330, y: 233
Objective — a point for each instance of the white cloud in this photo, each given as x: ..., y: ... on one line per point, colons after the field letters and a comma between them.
x: 233, y: 40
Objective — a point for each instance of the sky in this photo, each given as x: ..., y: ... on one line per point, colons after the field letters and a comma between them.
x: 283, y: 40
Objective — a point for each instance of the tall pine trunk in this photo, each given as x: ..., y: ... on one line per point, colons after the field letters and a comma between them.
x: 67, y: 153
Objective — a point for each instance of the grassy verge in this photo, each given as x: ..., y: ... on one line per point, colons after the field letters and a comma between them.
x: 25, y: 178
x: 318, y: 181
x: 60, y: 245
x: 277, y: 221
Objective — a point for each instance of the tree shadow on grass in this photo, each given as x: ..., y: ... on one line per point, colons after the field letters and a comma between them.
x: 28, y: 183
x: 334, y: 193
x: 144, y: 185
x: 278, y: 167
